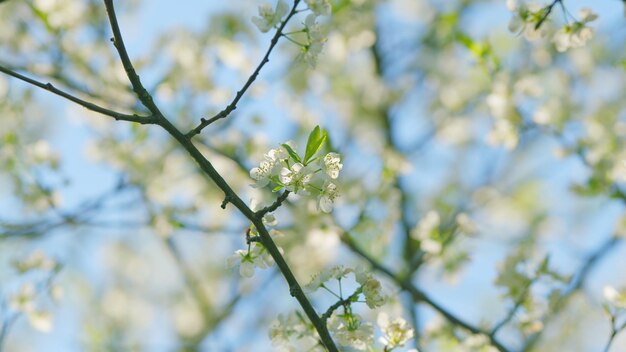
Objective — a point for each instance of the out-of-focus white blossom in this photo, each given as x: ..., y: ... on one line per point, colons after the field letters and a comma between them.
x: 576, y: 34
x: 24, y: 300
x: 319, y: 7
x: 614, y: 297
x: 40, y: 320
x: 426, y: 231
x: 289, y: 333
x: 503, y: 133
x: 525, y: 18
x: 37, y: 260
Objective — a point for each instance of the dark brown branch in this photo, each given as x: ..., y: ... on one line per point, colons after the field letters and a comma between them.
x: 233, y: 104
x: 88, y: 105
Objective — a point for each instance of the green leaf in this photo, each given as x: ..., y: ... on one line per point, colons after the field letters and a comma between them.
x: 292, y: 153
x: 314, y: 144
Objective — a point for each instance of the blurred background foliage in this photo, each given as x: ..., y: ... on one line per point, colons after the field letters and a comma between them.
x: 484, y: 169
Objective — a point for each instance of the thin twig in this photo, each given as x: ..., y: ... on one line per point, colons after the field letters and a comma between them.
x: 279, y: 201
x: 233, y: 104
x: 548, y: 10
x: 88, y: 105
x: 341, y: 303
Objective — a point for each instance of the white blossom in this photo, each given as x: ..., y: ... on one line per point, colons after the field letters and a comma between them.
x: 332, y: 165
x: 262, y: 173
x: 525, y: 19
x: 372, y: 289
x: 425, y: 230
x: 268, y: 18
x: 319, y: 279
x: 24, y: 300
x: 316, y: 40
x: 36, y: 260
x: 296, y: 177
x: 503, y: 133
x: 328, y: 196
x: 40, y: 320
x: 290, y: 333
x: 395, y: 332
x: 256, y: 257
x: 614, y: 297
x: 351, y: 331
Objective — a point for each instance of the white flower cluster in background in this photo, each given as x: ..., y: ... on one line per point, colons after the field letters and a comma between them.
x: 529, y: 20
x: 271, y: 17
x: 370, y: 287
x: 311, y: 175
x: 576, y: 34
x: 349, y: 329
x: 38, y: 269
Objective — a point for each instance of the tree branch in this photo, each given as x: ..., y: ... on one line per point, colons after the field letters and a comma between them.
x: 294, y: 287
x: 88, y: 105
x: 118, y: 42
x: 233, y: 104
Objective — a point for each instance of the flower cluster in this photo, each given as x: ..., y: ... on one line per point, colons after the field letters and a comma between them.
x: 502, y: 106
x: 315, y: 40
x: 28, y: 299
x: 528, y: 20
x: 271, y: 17
x: 292, y: 330
x: 576, y: 34
x: 350, y: 330
x: 427, y: 232
x: 310, y: 175
x: 370, y: 287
